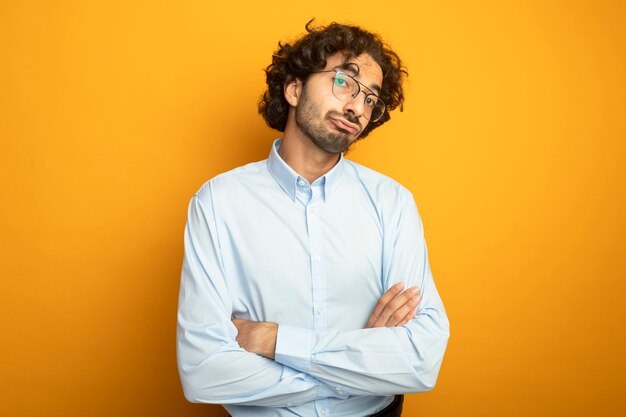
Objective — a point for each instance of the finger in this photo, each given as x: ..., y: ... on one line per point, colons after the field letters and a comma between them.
x: 404, y: 313
x: 386, y: 298
x: 239, y: 323
x: 400, y: 300
x: 399, y: 315
x: 395, y: 310
x: 375, y: 319
x: 242, y: 331
x: 410, y: 316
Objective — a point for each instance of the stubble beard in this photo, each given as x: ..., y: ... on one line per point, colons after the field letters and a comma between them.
x: 311, y: 123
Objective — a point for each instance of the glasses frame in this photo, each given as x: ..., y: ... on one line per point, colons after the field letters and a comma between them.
x: 359, y: 90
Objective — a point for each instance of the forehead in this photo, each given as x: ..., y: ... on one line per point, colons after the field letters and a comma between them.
x: 369, y: 70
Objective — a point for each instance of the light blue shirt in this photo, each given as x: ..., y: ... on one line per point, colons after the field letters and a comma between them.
x: 263, y: 244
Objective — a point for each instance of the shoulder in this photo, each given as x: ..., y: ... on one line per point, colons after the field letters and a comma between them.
x: 229, y: 181
x: 379, y: 186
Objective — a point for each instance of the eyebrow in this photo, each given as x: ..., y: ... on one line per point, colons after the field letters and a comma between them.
x: 375, y: 88
x: 350, y: 67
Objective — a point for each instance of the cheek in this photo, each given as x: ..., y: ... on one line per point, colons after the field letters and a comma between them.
x: 322, y: 96
x: 317, y: 107
x: 317, y: 102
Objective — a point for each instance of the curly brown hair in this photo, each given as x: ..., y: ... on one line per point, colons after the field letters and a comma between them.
x: 309, y: 53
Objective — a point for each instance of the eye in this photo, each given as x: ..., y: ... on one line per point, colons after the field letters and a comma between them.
x: 371, y: 100
x: 340, y: 82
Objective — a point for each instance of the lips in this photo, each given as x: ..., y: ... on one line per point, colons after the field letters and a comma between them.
x: 345, y: 125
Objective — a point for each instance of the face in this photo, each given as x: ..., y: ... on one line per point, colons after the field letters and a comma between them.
x: 331, y: 124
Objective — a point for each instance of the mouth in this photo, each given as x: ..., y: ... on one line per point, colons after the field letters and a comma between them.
x: 345, y: 126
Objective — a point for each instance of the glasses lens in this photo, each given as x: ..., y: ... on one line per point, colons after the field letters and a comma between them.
x: 345, y: 88
x: 374, y: 107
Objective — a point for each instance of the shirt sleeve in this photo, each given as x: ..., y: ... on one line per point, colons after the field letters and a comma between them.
x: 380, y: 361
x: 213, y: 367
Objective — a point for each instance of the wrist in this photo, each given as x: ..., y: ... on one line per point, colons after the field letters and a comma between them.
x: 267, y: 333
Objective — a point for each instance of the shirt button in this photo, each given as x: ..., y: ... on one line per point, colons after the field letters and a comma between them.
x: 319, y: 310
x: 323, y: 412
x: 313, y: 209
x: 317, y: 258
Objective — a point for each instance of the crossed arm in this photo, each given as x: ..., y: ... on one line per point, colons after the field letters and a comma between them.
x: 394, y: 308
x: 229, y: 362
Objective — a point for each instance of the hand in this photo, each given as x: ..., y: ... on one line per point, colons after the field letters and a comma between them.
x: 394, y: 309
x: 257, y: 336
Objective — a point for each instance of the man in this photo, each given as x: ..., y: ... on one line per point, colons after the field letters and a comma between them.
x: 303, y: 273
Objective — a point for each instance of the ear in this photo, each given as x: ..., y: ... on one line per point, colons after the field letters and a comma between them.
x: 293, y: 90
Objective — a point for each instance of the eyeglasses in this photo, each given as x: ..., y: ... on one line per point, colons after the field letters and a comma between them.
x: 346, y: 88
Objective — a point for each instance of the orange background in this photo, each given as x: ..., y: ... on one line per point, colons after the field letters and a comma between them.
x: 513, y: 141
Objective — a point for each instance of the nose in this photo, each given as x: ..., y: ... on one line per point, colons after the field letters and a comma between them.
x: 355, y: 105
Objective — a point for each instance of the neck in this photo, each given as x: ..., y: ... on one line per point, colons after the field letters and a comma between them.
x: 303, y: 156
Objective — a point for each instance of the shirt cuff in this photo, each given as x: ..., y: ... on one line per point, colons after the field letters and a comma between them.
x: 293, y: 347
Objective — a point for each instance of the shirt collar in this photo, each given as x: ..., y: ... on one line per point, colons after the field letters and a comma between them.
x: 288, y: 178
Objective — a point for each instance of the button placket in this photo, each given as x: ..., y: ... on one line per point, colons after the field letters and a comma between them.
x: 318, y: 274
